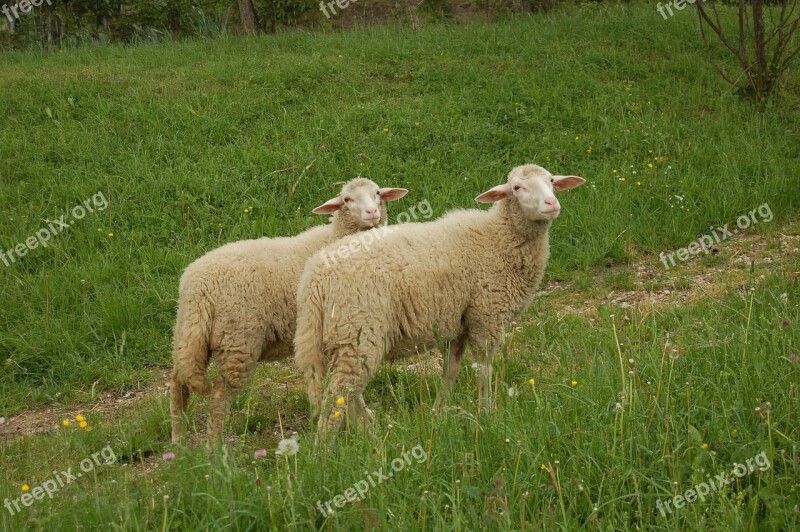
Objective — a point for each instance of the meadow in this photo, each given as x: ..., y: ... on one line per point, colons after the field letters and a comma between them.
x: 624, y: 386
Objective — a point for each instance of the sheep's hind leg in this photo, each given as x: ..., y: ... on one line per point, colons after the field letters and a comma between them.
x: 179, y: 403
x: 484, y: 348
x: 235, y: 371
x: 450, y: 372
x: 349, y: 376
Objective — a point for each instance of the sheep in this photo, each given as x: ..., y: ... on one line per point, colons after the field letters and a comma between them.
x: 460, y: 278
x: 237, y: 302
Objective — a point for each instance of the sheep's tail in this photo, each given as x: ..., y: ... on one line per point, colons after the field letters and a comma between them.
x: 191, y: 342
x: 309, y: 354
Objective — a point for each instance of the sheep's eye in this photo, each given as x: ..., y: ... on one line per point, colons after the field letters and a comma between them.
x: 552, y: 180
x: 378, y: 193
x: 348, y: 200
x: 516, y: 187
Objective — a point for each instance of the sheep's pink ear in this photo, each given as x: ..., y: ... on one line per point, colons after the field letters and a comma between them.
x: 332, y: 205
x: 495, y: 194
x: 566, y: 182
x: 391, y: 194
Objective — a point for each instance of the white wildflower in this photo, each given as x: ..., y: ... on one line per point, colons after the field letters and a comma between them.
x: 288, y: 447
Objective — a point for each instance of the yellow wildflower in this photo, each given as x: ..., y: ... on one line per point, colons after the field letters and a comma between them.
x: 704, y: 446
x: 574, y: 383
x: 337, y: 414
x: 65, y: 423
x: 340, y: 401
x: 532, y: 381
x: 79, y: 418
x: 83, y: 424
x: 26, y: 488
x: 649, y: 165
x: 110, y: 234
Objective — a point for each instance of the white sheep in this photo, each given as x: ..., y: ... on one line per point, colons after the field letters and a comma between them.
x: 237, y: 302
x: 461, y: 278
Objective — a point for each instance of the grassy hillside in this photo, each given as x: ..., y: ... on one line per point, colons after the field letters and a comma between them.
x: 182, y: 147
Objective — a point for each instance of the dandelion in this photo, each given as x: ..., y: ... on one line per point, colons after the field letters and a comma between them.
x: 65, y: 423
x: 26, y: 488
x: 110, y: 234
x: 287, y: 447
x: 83, y: 424
x: 622, y: 178
x: 336, y: 414
x: 340, y: 56
x: 261, y: 453
x: 574, y: 383
x: 532, y: 381
x: 638, y: 183
x: 649, y: 165
x: 168, y: 456
x: 614, y: 171
x: 386, y: 130
x: 79, y: 418
x: 99, y: 229
x: 416, y: 124
x: 340, y: 401
x: 589, y: 149
x: 577, y: 137
x: 704, y: 446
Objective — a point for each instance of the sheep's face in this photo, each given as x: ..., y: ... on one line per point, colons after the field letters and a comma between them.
x: 363, y: 201
x: 533, y: 188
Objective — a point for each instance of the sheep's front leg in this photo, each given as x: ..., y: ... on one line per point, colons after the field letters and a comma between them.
x: 484, y: 346
x: 450, y: 371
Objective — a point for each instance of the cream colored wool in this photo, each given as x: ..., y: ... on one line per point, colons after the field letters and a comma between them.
x: 462, y: 277
x: 237, y: 302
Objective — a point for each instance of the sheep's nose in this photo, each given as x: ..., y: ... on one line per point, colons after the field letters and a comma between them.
x: 553, y: 203
x: 372, y: 211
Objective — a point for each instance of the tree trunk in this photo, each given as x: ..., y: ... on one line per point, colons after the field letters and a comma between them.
x: 247, y: 15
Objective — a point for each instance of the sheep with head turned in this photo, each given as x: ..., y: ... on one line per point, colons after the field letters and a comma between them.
x: 237, y: 302
x: 460, y: 278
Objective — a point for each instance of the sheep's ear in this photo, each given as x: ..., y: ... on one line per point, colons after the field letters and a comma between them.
x: 332, y: 205
x: 566, y: 182
x: 495, y: 194
x: 392, y: 194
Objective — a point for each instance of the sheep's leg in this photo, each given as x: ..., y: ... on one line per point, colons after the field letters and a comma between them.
x: 235, y: 370
x: 179, y: 403
x: 450, y: 371
x: 221, y: 397
x: 350, y: 373
x: 483, y: 342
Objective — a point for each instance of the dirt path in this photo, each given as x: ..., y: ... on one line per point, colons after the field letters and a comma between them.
x: 647, y: 286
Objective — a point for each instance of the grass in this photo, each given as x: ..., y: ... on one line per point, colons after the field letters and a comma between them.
x: 181, y: 139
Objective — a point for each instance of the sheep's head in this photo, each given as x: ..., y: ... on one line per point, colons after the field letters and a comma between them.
x: 533, y: 188
x: 363, y: 202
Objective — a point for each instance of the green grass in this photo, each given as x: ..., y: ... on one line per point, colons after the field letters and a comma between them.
x: 181, y: 138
